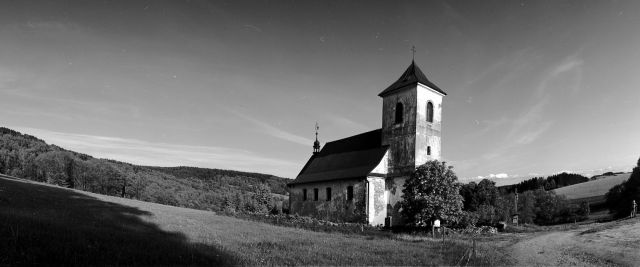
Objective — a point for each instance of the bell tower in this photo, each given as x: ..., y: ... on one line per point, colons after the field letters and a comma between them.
x: 411, y: 121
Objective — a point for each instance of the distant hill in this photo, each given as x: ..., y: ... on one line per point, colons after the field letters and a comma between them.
x: 238, y: 179
x: 28, y: 157
x: 593, y: 191
x: 551, y: 182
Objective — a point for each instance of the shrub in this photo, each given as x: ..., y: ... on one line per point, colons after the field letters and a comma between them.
x: 432, y: 192
x: 620, y: 197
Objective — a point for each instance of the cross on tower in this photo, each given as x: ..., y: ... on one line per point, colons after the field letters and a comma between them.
x: 316, y: 144
x: 413, y: 49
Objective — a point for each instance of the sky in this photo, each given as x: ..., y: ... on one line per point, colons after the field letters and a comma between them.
x: 534, y: 87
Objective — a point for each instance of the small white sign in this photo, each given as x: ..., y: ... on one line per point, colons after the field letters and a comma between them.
x: 436, y: 223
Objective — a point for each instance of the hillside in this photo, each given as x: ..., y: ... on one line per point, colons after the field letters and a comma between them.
x: 44, y: 224
x: 593, y: 191
x: 551, y: 182
x: 28, y: 157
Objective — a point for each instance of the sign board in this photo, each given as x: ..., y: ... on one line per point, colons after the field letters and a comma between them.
x: 436, y: 223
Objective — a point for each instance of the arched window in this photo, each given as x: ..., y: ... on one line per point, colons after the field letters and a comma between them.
x: 399, y: 112
x: 429, y: 150
x: 429, y: 112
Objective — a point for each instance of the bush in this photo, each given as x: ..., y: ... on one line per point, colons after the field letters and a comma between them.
x: 467, y: 219
x: 620, y: 197
x: 432, y: 192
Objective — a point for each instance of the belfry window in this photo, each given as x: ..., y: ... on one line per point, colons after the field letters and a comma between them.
x: 429, y: 112
x: 429, y: 150
x: 399, y: 112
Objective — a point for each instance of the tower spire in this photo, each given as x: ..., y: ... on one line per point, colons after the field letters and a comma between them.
x: 316, y: 144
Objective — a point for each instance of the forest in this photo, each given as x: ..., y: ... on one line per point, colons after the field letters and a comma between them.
x: 551, y: 182
x: 486, y: 204
x: 28, y: 157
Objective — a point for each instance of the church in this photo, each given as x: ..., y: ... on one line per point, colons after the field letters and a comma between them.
x: 360, y: 178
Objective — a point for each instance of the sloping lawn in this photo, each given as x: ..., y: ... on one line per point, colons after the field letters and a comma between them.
x: 43, y: 224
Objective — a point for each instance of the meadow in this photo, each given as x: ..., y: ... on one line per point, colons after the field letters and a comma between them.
x: 45, y: 224
x: 592, y: 191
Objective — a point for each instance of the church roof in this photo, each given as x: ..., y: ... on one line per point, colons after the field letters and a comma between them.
x: 348, y: 158
x: 412, y: 75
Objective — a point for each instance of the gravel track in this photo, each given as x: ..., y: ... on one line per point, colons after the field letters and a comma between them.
x: 614, y: 244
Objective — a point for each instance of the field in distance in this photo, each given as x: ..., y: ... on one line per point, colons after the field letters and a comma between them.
x: 592, y: 191
x: 45, y: 224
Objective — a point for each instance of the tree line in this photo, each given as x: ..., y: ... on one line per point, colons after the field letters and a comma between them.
x: 28, y: 157
x: 549, y: 183
x: 433, y: 192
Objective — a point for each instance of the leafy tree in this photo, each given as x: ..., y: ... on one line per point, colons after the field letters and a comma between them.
x: 262, y: 199
x: 470, y: 196
x: 483, y: 199
x: 487, y: 193
x: 614, y: 197
x: 620, y: 197
x: 547, y: 206
x: 430, y: 193
x: 239, y: 203
x: 526, y: 207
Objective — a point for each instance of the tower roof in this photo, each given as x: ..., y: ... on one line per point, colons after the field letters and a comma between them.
x: 412, y: 75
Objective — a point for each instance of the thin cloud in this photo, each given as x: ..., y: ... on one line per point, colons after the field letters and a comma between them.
x: 529, y: 117
x: 161, y: 154
x: 529, y: 137
x: 528, y: 126
x: 343, y: 122
x: 492, y: 176
x: 252, y: 27
x: 275, y: 132
x: 571, y: 64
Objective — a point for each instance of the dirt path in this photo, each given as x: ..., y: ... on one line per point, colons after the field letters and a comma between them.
x: 551, y: 249
x: 613, y: 244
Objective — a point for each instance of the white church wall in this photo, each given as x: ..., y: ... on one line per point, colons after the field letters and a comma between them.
x: 376, y: 204
x: 428, y: 134
x: 383, y: 165
x: 400, y: 137
x: 394, y: 187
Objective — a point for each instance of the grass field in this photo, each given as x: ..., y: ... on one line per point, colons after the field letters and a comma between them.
x: 43, y: 224
x: 593, y: 190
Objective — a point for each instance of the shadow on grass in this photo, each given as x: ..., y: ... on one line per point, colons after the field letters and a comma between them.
x: 53, y: 226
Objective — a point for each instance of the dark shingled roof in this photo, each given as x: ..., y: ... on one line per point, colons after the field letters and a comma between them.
x: 412, y: 75
x: 351, y: 157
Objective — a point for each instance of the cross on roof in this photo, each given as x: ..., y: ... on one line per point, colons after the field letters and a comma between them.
x: 413, y: 49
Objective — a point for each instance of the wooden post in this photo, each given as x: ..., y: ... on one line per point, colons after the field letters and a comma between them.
x: 442, y: 244
x: 433, y: 231
x: 474, y: 249
x: 442, y: 233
